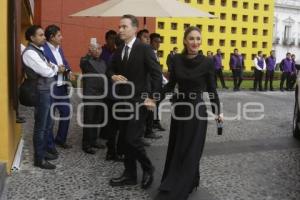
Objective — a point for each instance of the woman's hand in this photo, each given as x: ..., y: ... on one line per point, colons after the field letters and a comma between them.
x: 220, y: 117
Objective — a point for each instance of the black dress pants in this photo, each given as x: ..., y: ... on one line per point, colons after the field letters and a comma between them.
x: 237, y: 78
x: 92, y: 116
x: 132, y: 131
x: 269, y: 77
x: 258, y: 76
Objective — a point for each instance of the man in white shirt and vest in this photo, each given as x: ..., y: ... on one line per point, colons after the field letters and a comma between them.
x: 260, y: 67
x: 36, y: 66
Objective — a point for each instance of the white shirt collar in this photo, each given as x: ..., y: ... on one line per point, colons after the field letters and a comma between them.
x: 52, y: 47
x: 130, y: 44
x: 41, y: 48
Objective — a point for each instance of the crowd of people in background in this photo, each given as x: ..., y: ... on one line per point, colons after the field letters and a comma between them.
x: 264, y: 68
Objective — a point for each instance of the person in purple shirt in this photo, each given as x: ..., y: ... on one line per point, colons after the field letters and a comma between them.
x: 271, y: 63
x: 286, y: 66
x: 219, y: 69
x: 237, y: 65
x: 110, y: 47
x: 294, y: 73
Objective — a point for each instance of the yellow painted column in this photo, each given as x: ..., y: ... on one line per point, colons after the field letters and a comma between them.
x: 9, y: 130
x: 3, y: 83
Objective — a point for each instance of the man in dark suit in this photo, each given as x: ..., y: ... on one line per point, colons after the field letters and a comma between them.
x: 54, y: 53
x: 153, y: 121
x: 92, y: 88
x: 143, y: 35
x: 133, y: 63
x: 170, y: 58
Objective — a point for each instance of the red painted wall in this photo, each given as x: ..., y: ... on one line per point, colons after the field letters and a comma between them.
x: 77, y: 31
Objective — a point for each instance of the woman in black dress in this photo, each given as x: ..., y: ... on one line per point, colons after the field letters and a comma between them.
x: 194, y: 74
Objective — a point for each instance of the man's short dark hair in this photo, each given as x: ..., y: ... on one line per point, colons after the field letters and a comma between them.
x: 175, y: 48
x: 154, y: 36
x: 288, y: 53
x: 31, y: 31
x: 110, y: 33
x: 141, y: 32
x: 51, y: 31
x: 119, y: 42
x: 235, y: 49
x: 259, y: 52
x: 133, y: 19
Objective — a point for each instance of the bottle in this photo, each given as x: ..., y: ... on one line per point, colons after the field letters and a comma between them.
x: 220, y: 127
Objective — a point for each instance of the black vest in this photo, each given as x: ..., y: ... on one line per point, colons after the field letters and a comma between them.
x: 43, y: 83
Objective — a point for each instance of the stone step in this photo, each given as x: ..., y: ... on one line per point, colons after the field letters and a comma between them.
x: 3, y: 176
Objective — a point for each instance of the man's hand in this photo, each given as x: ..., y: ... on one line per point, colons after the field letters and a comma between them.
x: 61, y: 68
x: 119, y: 78
x: 72, y: 77
x: 150, y: 104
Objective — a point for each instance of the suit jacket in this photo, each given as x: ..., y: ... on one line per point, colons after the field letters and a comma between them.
x: 92, y: 85
x: 141, y: 64
x: 170, y: 61
x: 50, y: 57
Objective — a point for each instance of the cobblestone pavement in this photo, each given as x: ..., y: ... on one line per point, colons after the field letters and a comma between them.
x: 253, y: 160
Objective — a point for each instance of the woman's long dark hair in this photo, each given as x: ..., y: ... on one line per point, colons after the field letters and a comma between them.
x: 186, y: 33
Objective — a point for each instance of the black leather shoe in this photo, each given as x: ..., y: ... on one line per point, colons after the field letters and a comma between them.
x: 44, y: 164
x: 158, y: 126
x: 53, y: 151
x: 63, y: 145
x: 153, y: 136
x: 89, y: 151
x: 147, y: 179
x: 49, y: 156
x: 122, y: 181
x: 114, y: 157
x: 145, y: 143
x: 110, y: 157
x: 20, y: 120
x: 98, y: 146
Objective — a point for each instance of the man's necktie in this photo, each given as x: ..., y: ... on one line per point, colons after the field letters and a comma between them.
x: 125, y: 57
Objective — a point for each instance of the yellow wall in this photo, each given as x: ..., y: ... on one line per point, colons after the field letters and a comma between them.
x: 9, y: 131
x: 167, y: 32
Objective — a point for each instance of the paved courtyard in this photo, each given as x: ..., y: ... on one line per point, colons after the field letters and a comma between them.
x: 252, y: 160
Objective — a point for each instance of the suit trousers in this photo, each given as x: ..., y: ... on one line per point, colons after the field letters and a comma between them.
x: 115, y: 145
x: 132, y: 131
x: 269, y: 77
x: 62, y: 105
x: 258, y: 76
x: 237, y: 78
x: 219, y: 73
x: 285, y: 76
x: 93, y: 116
